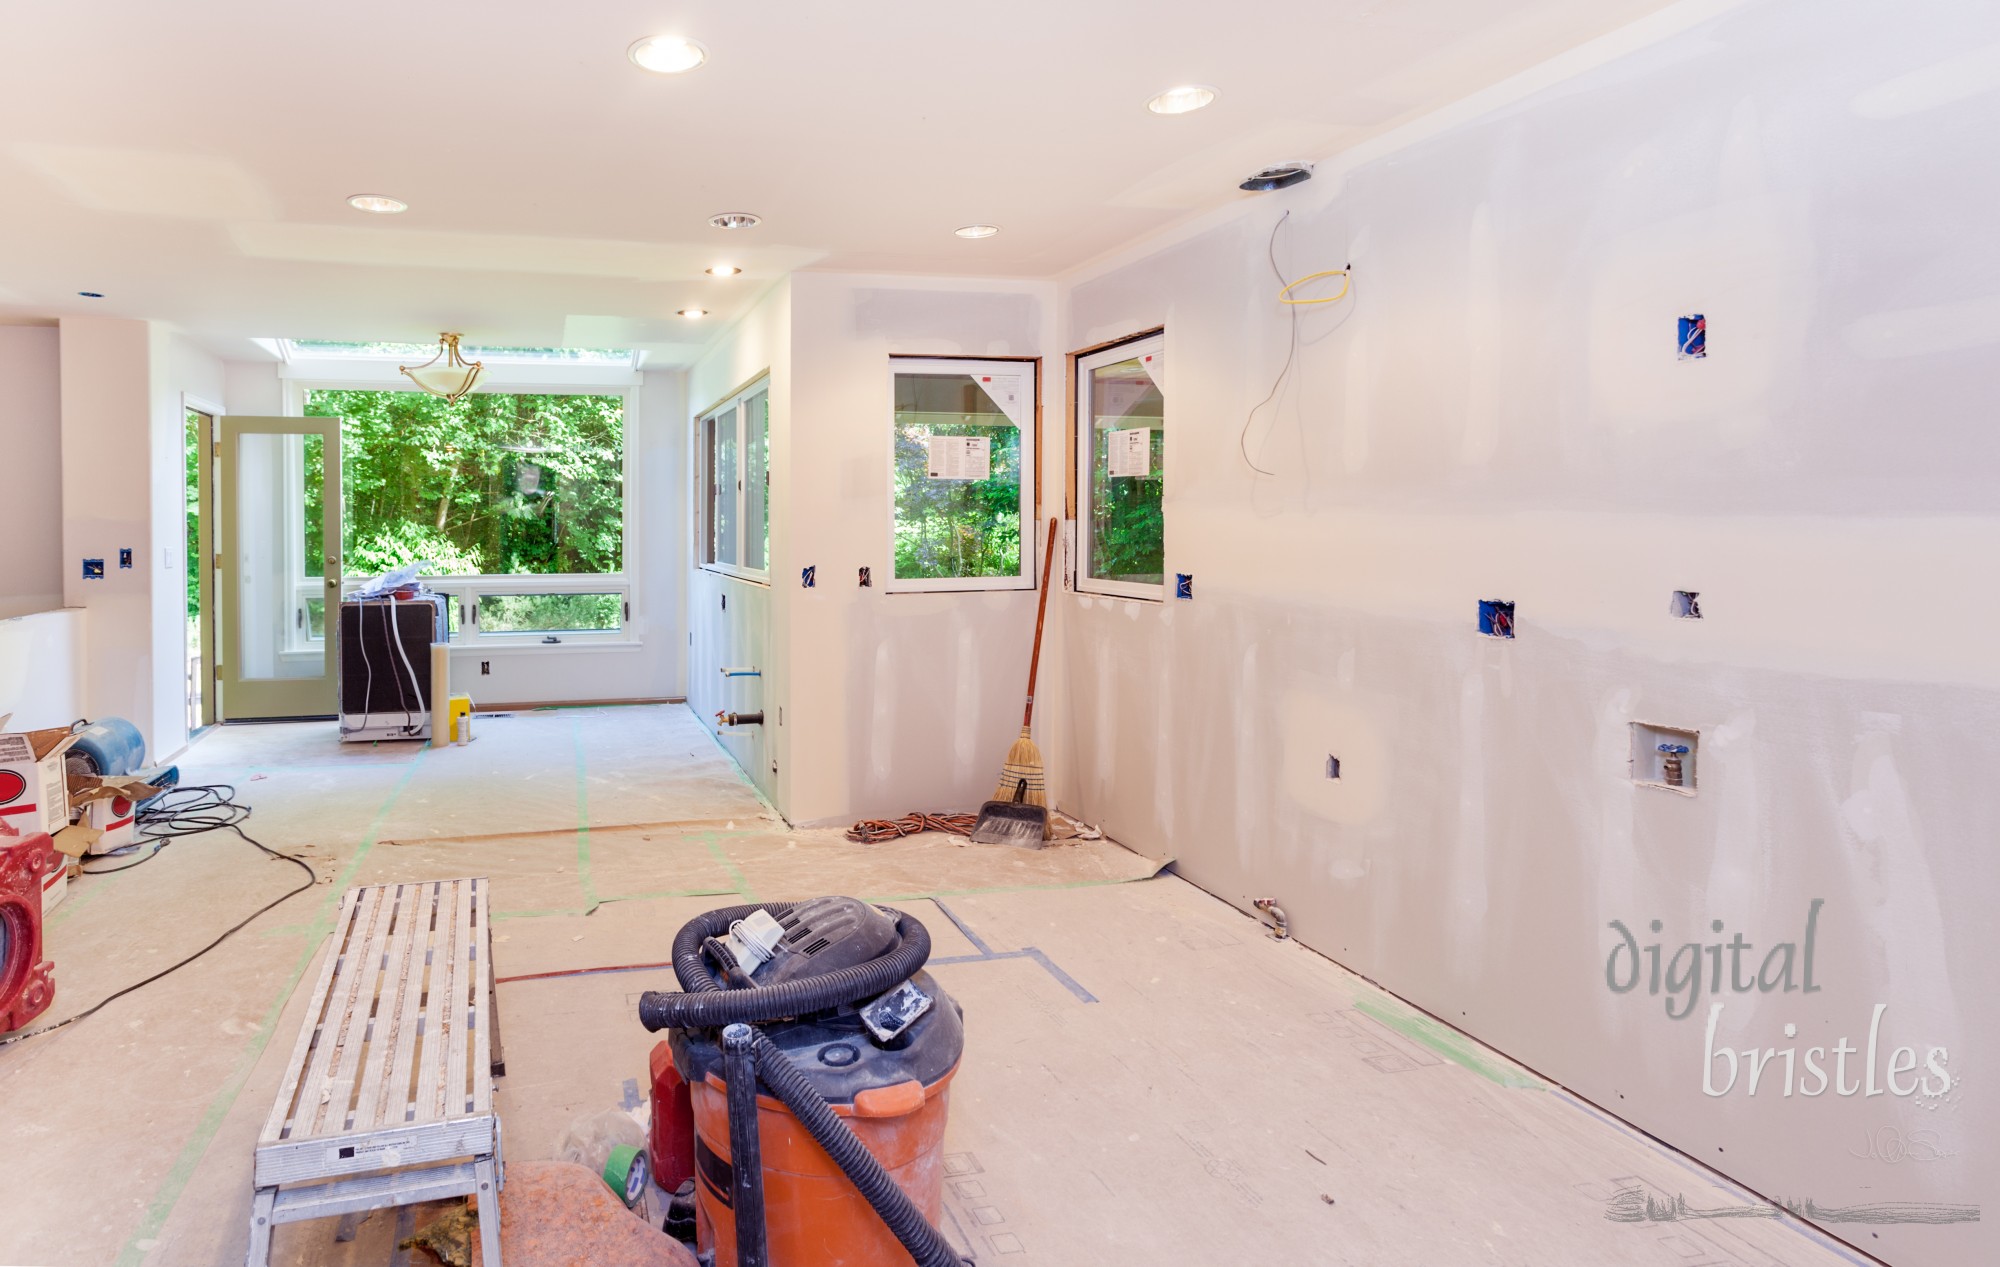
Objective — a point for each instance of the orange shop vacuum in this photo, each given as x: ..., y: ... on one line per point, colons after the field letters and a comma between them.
x: 812, y: 1058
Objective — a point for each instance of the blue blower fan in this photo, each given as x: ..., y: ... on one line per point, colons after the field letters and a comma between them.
x: 114, y: 748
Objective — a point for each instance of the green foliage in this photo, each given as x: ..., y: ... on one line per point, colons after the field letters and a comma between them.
x: 494, y: 483
x: 956, y: 528
x: 192, y: 456
x: 1128, y: 540
x: 395, y: 545
x: 549, y: 613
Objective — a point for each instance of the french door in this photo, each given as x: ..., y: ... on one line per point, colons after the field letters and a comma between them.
x: 277, y: 582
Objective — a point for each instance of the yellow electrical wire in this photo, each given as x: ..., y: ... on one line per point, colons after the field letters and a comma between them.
x: 1341, y: 273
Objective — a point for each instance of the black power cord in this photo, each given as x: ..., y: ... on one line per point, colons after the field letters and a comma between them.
x: 177, y: 812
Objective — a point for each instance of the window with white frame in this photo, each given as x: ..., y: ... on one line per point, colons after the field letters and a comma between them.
x: 734, y: 441
x: 513, y: 503
x: 961, y: 474
x: 1121, y: 466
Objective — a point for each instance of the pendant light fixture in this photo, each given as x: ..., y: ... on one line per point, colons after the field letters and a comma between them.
x: 447, y: 374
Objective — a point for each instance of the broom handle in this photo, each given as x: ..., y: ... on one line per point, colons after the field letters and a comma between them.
x: 1041, y: 612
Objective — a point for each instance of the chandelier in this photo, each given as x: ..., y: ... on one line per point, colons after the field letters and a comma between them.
x: 447, y: 374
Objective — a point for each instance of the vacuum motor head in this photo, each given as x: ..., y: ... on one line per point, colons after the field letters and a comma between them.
x: 826, y: 934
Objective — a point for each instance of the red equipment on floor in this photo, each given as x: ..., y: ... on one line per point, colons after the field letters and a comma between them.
x: 670, y: 1142
x: 27, y: 981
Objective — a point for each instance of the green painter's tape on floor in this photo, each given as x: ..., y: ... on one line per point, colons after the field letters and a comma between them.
x: 168, y: 1194
x: 729, y: 864
x: 1447, y: 1042
x: 582, y: 820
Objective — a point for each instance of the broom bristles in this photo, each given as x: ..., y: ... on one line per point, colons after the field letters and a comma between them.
x: 1024, y: 761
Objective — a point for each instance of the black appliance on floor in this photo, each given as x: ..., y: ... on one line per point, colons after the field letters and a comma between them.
x: 384, y: 658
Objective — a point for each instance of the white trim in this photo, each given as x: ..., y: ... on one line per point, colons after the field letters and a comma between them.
x: 1023, y: 577
x: 1086, y: 431
x: 703, y: 496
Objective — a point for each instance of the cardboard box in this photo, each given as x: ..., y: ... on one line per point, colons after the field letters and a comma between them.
x: 106, y: 811
x: 34, y: 794
x: 54, y: 885
x: 112, y: 817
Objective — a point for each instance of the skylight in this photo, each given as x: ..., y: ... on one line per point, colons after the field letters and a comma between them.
x: 338, y: 350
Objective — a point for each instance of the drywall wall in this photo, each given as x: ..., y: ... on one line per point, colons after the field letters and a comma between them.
x: 1499, y: 412
x: 41, y: 669
x: 180, y: 372
x: 898, y: 701
x: 734, y: 621
x: 107, y: 483
x: 31, y: 433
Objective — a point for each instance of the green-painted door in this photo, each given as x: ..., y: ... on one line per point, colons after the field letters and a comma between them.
x: 277, y: 567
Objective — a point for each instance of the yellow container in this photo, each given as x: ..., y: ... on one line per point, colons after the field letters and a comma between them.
x: 461, y: 719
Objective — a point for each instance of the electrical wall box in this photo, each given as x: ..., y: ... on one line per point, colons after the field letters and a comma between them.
x: 1693, y: 337
x: 1664, y: 757
x: 1496, y: 618
x: 93, y: 569
x: 1687, y: 604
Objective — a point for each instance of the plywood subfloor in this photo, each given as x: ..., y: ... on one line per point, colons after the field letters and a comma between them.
x: 1148, y: 1078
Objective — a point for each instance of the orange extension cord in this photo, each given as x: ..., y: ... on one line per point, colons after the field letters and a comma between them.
x: 871, y: 831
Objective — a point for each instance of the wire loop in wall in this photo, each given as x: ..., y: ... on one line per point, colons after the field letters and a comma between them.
x: 1284, y: 296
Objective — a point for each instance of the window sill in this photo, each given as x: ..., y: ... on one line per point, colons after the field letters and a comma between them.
x: 738, y: 574
x: 964, y: 585
x: 529, y: 644
x: 1146, y: 595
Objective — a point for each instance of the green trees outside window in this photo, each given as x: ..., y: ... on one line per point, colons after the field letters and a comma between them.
x: 1124, y: 459
x: 494, y: 484
x: 961, y: 466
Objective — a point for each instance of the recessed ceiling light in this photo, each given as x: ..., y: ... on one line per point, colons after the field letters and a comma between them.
x: 667, y: 54
x: 378, y: 204
x: 977, y: 230
x: 735, y: 220
x: 722, y: 270
x: 1182, y: 99
x: 692, y: 313
x: 91, y: 294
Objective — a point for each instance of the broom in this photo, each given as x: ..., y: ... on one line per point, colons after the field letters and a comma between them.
x: 1021, y: 784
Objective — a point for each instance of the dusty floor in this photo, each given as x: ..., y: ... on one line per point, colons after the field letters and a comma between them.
x: 1148, y: 1078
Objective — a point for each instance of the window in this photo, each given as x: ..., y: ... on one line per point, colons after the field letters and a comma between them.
x: 961, y: 475
x: 735, y: 440
x: 1121, y: 460
x: 513, y: 503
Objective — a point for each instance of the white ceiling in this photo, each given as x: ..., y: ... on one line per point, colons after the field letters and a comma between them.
x: 192, y: 160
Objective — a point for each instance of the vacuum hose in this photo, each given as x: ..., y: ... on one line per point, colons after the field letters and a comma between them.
x: 709, y: 1005
x: 903, y: 1218
x: 746, y: 1160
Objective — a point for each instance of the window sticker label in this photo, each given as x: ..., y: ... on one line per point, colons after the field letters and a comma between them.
x: 961, y: 458
x: 1130, y: 452
x: 1005, y: 391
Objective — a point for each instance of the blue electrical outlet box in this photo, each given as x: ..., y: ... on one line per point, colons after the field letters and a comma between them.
x: 1183, y: 585
x: 1694, y: 337
x: 125, y: 557
x: 808, y: 575
x: 1496, y: 618
x: 93, y: 569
